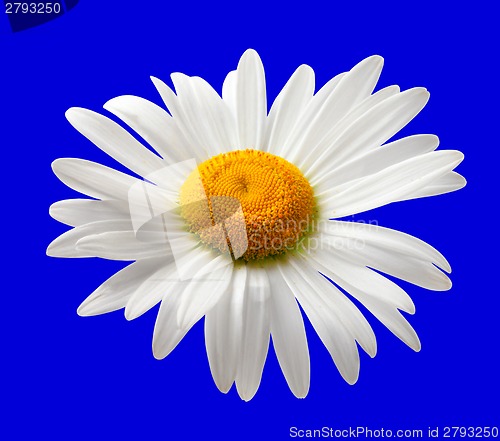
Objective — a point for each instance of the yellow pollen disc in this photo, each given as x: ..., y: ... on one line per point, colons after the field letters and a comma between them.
x: 250, y: 203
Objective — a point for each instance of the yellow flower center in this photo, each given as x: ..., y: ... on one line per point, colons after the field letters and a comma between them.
x: 247, y: 202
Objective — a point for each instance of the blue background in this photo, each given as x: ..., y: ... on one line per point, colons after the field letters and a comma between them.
x: 65, y: 376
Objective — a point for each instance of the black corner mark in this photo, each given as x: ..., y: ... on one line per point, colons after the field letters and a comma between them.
x: 27, y: 14
x: 70, y: 4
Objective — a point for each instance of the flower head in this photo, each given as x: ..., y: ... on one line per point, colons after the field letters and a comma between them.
x: 234, y: 217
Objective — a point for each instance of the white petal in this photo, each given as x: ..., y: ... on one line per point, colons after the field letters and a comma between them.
x: 93, y: 179
x: 65, y: 244
x: 251, y: 101
x: 185, y: 115
x: 115, y: 292
x: 192, y: 147
x: 191, y: 258
x: 377, y: 159
x: 151, y: 122
x: 123, y: 245
x: 382, y: 304
x: 167, y: 95
x: 287, y: 108
x: 348, y: 313
x: 97, y: 181
x: 394, y: 321
x: 324, y: 316
x: 289, y: 335
x: 204, y: 291
x: 377, y: 125
x: 324, y: 93
x: 255, y: 333
x: 389, y: 185
x: 76, y: 212
x: 223, y: 330
x: 318, y: 157
x: 152, y: 290
x: 419, y: 272
x: 167, y: 333
x: 115, y: 141
x: 307, y: 116
x: 206, y: 117
x: 354, y: 87
x: 387, y: 239
x: 229, y: 91
x: 364, y: 279
x: 221, y: 122
x: 445, y: 184
x: 363, y: 77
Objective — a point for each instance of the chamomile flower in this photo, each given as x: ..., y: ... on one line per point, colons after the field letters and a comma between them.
x: 232, y: 217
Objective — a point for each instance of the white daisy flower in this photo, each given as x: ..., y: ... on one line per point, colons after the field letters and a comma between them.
x: 233, y: 219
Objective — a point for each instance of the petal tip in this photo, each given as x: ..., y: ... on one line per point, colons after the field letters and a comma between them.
x: 464, y: 183
x: 378, y: 60
x: 410, y: 309
x: 156, y: 81
x: 110, y: 104
x: 80, y: 243
x: 70, y: 112
x: 57, y: 249
x: 449, y: 284
x: 433, y: 140
x: 445, y: 284
x: 351, y: 376
x: 372, y: 351
x: 445, y: 266
x: 250, y: 52
x: 84, y: 310
x: 250, y: 55
x: 302, y: 392
x: 56, y: 164
x: 224, y: 388
x: 246, y: 396
x: 351, y: 381
x: 460, y: 156
x: 418, y: 92
x: 128, y: 315
x: 74, y: 112
x: 156, y: 352
x: 50, y: 251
